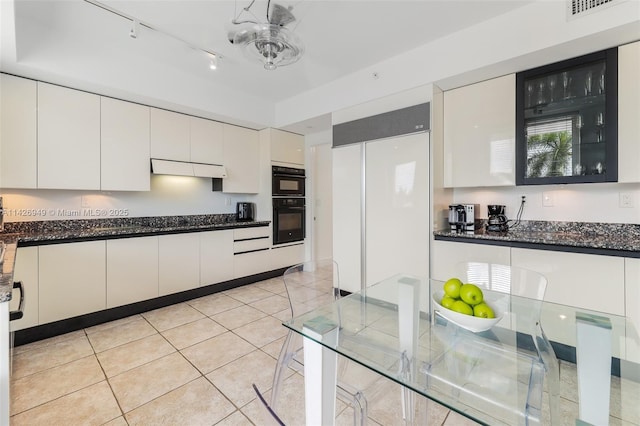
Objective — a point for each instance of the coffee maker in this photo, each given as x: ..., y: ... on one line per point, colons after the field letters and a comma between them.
x: 497, y: 221
x: 462, y: 217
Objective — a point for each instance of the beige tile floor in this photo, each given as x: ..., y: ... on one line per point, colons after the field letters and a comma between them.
x: 188, y: 364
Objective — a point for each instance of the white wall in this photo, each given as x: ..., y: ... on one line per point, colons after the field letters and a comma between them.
x: 593, y: 202
x: 530, y: 36
x: 169, y: 195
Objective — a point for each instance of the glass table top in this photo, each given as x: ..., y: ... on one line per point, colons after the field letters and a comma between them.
x: 497, y: 376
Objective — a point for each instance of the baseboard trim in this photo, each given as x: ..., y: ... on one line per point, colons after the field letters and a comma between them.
x: 45, y: 331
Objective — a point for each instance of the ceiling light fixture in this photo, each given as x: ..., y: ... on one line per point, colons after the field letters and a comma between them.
x: 213, y: 64
x: 135, y: 29
x: 133, y: 32
x: 269, y: 42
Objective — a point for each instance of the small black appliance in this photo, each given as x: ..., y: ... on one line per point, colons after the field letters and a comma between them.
x: 497, y: 221
x: 245, y: 212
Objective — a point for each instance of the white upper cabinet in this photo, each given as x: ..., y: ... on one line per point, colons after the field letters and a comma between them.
x: 170, y: 135
x: 206, y: 141
x: 287, y: 147
x: 124, y: 146
x: 68, y: 138
x: 181, y: 137
x: 479, y: 134
x: 629, y: 112
x: 242, y: 160
x: 18, y: 143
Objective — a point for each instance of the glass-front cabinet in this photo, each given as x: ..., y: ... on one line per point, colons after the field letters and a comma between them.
x: 566, y: 121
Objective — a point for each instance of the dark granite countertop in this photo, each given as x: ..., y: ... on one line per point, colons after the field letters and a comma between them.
x: 59, y: 231
x: 8, y: 262
x: 62, y: 231
x: 604, y: 238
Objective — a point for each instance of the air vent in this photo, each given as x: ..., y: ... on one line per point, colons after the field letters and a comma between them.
x: 582, y: 7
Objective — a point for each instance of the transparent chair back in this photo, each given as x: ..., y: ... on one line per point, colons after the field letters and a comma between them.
x: 501, y: 371
x: 310, y: 285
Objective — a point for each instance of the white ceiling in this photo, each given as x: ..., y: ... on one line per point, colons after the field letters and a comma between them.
x: 83, y: 45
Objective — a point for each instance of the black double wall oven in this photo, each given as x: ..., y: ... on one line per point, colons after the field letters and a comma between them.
x: 288, y: 204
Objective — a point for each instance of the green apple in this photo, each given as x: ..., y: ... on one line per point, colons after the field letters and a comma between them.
x: 471, y: 294
x: 483, y: 310
x: 452, y: 288
x: 447, y: 302
x: 461, y: 307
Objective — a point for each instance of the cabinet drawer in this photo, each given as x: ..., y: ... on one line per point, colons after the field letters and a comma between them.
x: 251, y: 245
x: 248, y: 233
x: 282, y: 257
x: 251, y: 263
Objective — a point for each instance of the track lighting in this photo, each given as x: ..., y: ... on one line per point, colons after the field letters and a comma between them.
x: 213, y: 64
x: 133, y: 32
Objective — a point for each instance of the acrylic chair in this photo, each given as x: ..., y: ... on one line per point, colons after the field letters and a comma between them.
x: 310, y: 285
x: 499, y: 372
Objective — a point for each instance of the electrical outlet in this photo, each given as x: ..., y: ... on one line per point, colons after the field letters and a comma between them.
x: 547, y: 199
x: 625, y: 200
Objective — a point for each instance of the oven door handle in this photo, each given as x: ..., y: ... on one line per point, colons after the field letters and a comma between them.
x: 292, y: 208
x: 16, y: 315
x: 288, y: 176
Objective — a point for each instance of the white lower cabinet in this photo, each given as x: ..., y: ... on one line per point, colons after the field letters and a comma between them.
x: 251, y: 251
x: 72, y: 280
x: 591, y: 282
x: 576, y: 279
x: 179, y: 262
x: 632, y: 307
x: 26, y: 271
x: 282, y: 257
x: 132, y: 270
x: 216, y: 257
x: 447, y: 255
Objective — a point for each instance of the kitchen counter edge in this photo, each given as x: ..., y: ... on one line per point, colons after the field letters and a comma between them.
x: 586, y: 244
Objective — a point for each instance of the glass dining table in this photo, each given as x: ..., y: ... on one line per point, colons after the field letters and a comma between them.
x: 504, y: 375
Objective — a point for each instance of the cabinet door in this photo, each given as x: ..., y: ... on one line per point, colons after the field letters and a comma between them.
x: 72, y: 280
x: 575, y: 279
x: 628, y: 112
x: 68, y: 138
x: 479, y: 134
x: 18, y: 124
x: 287, y: 147
x: 132, y: 270
x: 242, y: 160
x: 179, y: 262
x: 124, y: 146
x: 206, y: 141
x: 170, y: 135
x: 347, y: 169
x: 446, y: 255
x: 216, y: 256
x: 397, y: 186
x: 26, y: 271
x: 632, y: 307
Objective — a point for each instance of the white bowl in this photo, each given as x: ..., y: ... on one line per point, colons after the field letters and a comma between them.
x: 469, y: 322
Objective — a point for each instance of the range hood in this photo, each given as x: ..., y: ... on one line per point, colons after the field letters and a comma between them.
x: 183, y: 168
